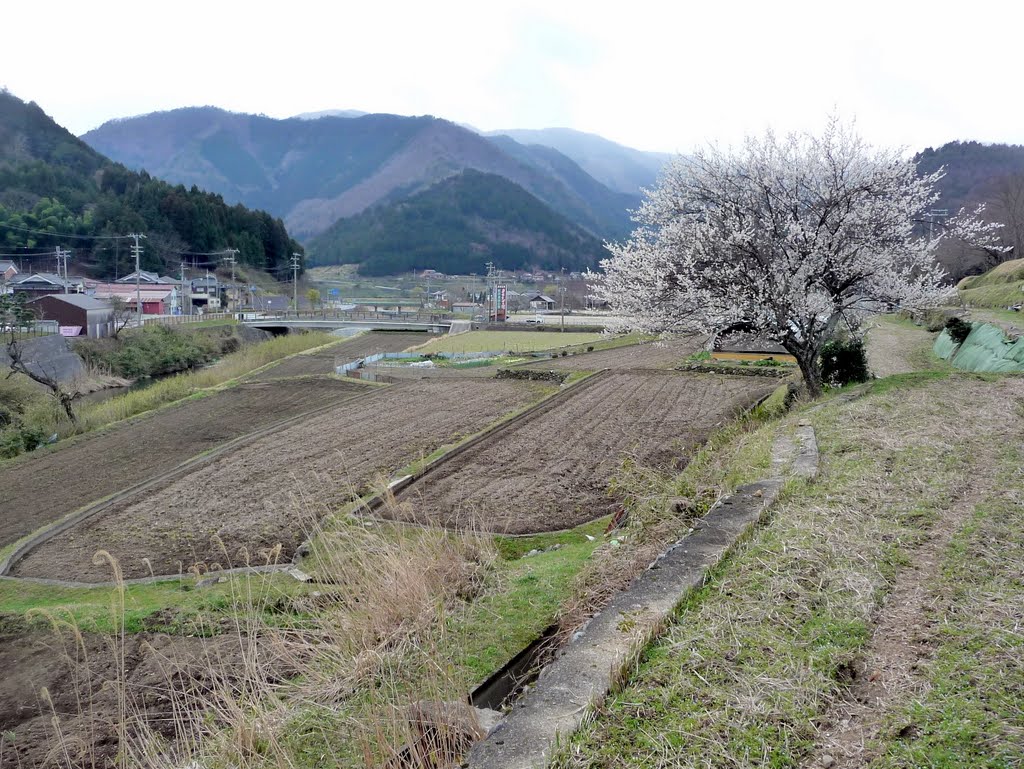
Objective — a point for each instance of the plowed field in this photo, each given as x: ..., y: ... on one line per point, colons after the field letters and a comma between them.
x: 551, y: 471
x: 648, y: 355
x: 45, y: 487
x: 267, y: 491
x: 325, y: 361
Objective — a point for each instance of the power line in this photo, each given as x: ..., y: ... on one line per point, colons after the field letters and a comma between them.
x: 23, y: 249
x: 62, y: 234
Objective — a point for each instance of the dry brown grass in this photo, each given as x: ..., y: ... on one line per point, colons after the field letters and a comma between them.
x: 357, y: 652
x: 749, y: 671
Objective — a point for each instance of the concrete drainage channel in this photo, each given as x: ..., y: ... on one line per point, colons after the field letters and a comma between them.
x: 586, y: 669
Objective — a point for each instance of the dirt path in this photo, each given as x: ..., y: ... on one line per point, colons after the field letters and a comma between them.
x: 897, y: 349
x: 903, y: 639
x: 551, y: 472
x: 41, y: 488
x: 236, y: 508
x: 904, y: 631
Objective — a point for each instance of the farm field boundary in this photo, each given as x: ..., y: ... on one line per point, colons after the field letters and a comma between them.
x: 400, y: 484
x: 22, y: 548
x: 259, y: 501
x: 651, y: 418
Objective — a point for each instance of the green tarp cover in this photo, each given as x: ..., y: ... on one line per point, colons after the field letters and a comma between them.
x: 985, y: 349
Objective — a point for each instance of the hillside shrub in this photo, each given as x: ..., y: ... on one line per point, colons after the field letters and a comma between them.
x: 22, y: 410
x: 154, y: 350
x: 933, y: 320
x: 844, y: 361
x: 958, y: 329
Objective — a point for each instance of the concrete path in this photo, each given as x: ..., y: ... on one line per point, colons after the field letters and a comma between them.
x: 594, y: 661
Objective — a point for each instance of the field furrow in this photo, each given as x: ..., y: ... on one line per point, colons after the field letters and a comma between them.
x: 551, y: 472
x: 271, y: 490
x: 44, y: 487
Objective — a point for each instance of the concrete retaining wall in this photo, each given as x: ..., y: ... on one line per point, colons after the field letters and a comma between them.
x: 49, y: 355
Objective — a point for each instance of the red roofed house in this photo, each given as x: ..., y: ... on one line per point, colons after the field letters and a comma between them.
x: 157, y: 299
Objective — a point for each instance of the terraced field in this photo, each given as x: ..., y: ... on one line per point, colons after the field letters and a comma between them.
x: 45, y: 486
x: 325, y: 361
x: 551, y: 472
x: 649, y: 355
x: 269, y: 491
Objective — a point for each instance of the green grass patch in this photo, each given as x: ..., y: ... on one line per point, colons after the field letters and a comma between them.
x: 971, y: 714
x: 905, y: 381
x: 97, y: 609
x: 1000, y: 295
x: 511, y: 548
x: 493, y: 630
x: 754, y: 658
x: 1002, y: 286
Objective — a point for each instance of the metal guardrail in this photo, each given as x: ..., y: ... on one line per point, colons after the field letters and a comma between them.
x: 174, y: 320
x: 409, y: 317
x: 36, y: 328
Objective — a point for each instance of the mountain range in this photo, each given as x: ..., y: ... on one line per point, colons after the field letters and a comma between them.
x: 457, y: 226
x: 317, y: 168
x: 387, y: 192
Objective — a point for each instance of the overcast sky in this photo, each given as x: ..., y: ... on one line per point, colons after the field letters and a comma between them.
x: 665, y: 76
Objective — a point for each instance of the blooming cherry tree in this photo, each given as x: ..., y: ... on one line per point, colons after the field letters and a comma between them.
x: 787, y: 237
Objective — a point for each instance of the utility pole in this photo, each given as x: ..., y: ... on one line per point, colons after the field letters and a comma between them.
x: 935, y: 213
x: 296, y: 263
x: 62, y: 258
x: 230, y: 259
x: 185, y: 292
x: 137, y: 253
x: 490, y: 289
x: 561, y: 288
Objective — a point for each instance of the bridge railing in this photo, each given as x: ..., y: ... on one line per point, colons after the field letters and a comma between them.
x: 354, y: 315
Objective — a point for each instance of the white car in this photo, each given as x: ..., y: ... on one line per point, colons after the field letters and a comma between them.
x: 535, y: 319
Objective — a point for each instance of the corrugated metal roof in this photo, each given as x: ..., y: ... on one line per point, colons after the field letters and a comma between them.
x: 77, y: 300
x: 129, y: 294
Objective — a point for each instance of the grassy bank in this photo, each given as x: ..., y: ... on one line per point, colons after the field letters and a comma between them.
x: 39, y: 417
x: 1002, y: 286
x: 764, y: 665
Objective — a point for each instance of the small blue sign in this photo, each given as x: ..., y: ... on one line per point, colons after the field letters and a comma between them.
x: 335, y: 292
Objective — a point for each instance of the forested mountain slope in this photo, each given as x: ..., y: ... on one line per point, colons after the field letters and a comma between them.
x: 457, y: 226
x: 51, y: 181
